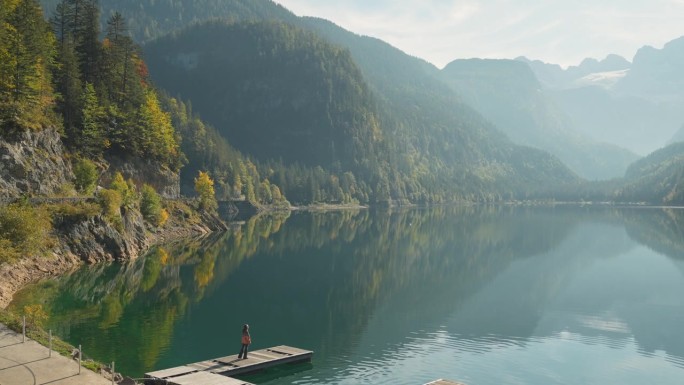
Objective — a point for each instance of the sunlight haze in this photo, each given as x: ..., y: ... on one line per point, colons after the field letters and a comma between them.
x: 561, y: 32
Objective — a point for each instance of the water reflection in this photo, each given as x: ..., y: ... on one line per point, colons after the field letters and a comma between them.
x: 477, y: 293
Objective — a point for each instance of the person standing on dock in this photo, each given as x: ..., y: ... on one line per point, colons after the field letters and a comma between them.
x: 246, y: 341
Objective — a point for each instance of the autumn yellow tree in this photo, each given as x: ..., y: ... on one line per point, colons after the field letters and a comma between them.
x: 204, y: 187
x: 157, y: 135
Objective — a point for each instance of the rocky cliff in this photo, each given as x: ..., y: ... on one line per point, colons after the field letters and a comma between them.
x: 33, y: 163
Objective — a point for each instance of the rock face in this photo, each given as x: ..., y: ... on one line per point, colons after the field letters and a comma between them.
x: 33, y: 163
x: 14, y: 276
x: 96, y: 240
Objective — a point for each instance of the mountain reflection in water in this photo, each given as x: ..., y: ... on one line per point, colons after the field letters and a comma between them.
x: 487, y: 295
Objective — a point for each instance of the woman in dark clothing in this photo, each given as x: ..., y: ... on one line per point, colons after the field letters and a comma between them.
x: 246, y: 340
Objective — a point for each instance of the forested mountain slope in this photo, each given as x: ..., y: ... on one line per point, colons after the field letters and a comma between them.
x: 678, y: 137
x: 149, y: 19
x: 657, y: 178
x: 419, y: 146
x: 274, y: 91
x: 281, y: 93
x: 429, y: 125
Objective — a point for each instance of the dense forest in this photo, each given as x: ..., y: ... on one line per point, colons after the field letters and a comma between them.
x: 661, y: 174
x: 294, y: 101
x: 60, y: 74
x: 150, y: 19
x: 94, y: 87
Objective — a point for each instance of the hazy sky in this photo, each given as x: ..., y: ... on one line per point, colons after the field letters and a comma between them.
x: 556, y: 31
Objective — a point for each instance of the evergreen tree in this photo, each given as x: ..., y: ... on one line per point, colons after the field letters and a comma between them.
x: 92, y: 139
x: 69, y: 87
x: 120, y: 54
x: 61, y: 22
x: 85, y: 23
x: 27, y: 50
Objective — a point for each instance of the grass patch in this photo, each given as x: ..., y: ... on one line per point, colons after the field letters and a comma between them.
x: 38, y: 334
x: 181, y: 211
x: 73, y: 212
x: 24, y: 230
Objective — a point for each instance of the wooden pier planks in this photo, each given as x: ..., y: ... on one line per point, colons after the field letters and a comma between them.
x: 257, y: 360
x: 231, y: 366
x: 172, y: 372
x: 444, y: 382
x: 205, y: 378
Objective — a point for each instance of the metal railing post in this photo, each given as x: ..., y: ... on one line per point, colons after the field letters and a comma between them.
x: 50, y: 344
x: 113, y: 372
x: 80, y: 355
x: 23, y: 329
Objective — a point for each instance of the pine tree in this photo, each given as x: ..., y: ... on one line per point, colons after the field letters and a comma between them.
x: 27, y: 49
x: 61, y: 22
x: 85, y: 23
x: 120, y: 54
x: 93, y: 140
x: 69, y: 87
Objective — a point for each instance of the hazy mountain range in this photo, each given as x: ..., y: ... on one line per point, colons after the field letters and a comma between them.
x: 635, y: 105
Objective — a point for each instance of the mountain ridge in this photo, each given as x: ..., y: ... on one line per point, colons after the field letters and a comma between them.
x: 508, y: 93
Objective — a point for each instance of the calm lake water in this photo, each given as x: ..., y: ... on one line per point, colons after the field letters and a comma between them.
x: 484, y: 295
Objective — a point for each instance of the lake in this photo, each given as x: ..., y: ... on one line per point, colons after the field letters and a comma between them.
x: 485, y: 295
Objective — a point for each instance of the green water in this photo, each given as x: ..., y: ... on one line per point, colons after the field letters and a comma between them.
x: 487, y: 295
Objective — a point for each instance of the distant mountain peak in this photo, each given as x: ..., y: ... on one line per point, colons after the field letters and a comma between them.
x: 607, y: 72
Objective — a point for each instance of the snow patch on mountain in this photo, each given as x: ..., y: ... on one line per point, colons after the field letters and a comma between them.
x: 605, y: 79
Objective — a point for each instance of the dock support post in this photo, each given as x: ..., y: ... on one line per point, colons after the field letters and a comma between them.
x: 50, y: 344
x: 80, y: 354
x: 23, y: 329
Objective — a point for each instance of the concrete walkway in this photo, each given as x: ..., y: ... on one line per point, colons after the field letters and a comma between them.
x: 28, y: 364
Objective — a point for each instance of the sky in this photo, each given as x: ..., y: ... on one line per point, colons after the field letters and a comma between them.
x: 555, y: 31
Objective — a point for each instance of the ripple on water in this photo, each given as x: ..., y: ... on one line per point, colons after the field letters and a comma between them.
x: 560, y: 358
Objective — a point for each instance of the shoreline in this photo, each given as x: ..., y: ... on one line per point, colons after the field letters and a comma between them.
x: 18, y: 274
x: 94, y: 240
x: 26, y: 271
x: 329, y: 207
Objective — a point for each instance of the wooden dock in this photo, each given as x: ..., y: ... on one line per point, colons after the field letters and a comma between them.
x: 444, y: 382
x: 218, y: 370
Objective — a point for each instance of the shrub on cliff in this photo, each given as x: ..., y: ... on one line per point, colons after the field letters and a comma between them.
x: 110, y: 201
x: 86, y: 176
x: 127, y: 190
x: 151, y: 206
x: 24, y: 231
